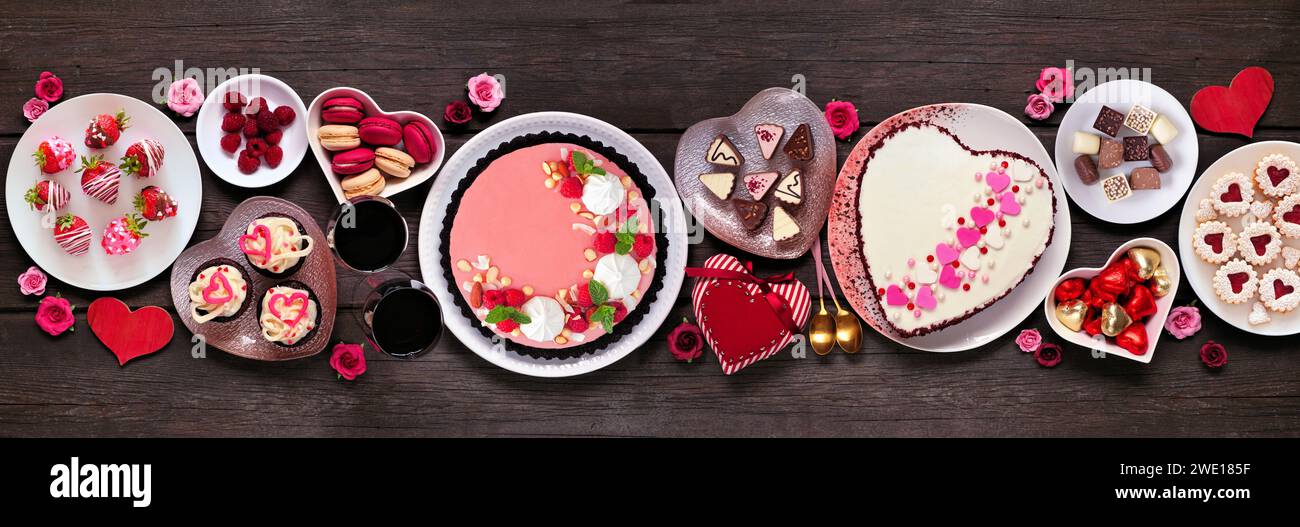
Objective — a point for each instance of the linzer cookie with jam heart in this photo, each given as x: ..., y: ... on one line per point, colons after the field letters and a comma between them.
x: 760, y: 179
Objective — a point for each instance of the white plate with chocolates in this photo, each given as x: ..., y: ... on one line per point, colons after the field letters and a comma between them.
x: 1239, y: 238
x: 1126, y: 151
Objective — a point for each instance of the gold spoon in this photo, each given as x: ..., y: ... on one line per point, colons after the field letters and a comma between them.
x: 848, y: 330
x: 822, y: 333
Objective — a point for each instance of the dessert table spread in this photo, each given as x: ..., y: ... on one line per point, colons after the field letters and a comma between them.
x: 652, y: 71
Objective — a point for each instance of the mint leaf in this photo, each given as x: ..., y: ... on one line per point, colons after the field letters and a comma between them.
x: 605, y: 316
x: 625, y: 242
x: 500, y: 313
x: 585, y: 165
x: 599, y: 295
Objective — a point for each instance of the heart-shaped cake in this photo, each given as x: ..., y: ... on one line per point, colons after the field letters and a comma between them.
x: 739, y: 322
x: 945, y: 230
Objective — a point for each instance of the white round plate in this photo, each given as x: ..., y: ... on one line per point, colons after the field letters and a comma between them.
x: 1143, y: 204
x: 981, y: 128
x: 208, y: 133
x: 179, y: 177
x: 435, y: 210
x: 1201, y: 274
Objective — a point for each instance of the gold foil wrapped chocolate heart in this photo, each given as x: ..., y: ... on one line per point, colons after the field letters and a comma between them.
x: 1114, y: 319
x: 1072, y: 313
x: 1147, y: 260
x: 1161, y: 285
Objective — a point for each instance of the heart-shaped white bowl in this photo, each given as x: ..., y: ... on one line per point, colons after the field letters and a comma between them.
x: 1155, y: 325
x: 419, y: 174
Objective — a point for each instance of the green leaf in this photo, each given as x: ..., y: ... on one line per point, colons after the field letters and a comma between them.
x: 500, y: 313
x: 605, y: 316
x: 599, y: 295
x: 625, y: 242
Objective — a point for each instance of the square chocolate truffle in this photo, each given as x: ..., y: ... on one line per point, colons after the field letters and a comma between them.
x: 1109, y: 121
x: 1111, y: 154
x: 1116, y: 188
x: 1145, y: 178
x: 1135, y: 148
x: 1140, y: 118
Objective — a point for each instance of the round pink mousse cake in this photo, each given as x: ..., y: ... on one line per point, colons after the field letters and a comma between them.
x: 551, y: 244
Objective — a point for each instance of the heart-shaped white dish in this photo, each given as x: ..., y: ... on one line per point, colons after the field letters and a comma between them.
x: 419, y: 174
x: 1154, y: 326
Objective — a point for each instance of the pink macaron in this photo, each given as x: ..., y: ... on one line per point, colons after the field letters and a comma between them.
x: 353, y: 161
x: 342, y: 110
x: 380, y: 131
x: 419, y: 142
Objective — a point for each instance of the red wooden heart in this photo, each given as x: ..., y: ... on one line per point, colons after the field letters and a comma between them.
x: 129, y: 334
x: 1237, y: 108
x: 738, y: 322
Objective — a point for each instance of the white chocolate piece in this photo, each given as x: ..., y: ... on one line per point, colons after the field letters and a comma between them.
x: 1086, y: 143
x: 1163, y: 130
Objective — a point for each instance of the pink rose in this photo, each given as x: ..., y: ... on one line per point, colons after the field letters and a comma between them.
x: 32, y: 282
x: 686, y: 342
x: 185, y: 96
x: 843, y: 118
x: 349, y: 360
x: 1038, y: 107
x: 485, y: 92
x: 49, y: 88
x: 34, y: 108
x: 54, y: 315
x: 1029, y: 340
x: 1057, y: 84
x: 1048, y: 355
x: 1183, y: 322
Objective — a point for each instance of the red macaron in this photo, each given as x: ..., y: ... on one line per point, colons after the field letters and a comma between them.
x: 342, y: 110
x: 380, y: 131
x: 353, y: 161
x: 419, y: 141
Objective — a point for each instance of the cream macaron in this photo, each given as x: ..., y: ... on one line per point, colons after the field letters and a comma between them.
x: 336, y: 137
x: 394, y: 162
x: 368, y: 183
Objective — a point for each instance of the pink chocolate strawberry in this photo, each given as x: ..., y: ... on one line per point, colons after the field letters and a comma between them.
x: 123, y: 234
x: 54, y: 155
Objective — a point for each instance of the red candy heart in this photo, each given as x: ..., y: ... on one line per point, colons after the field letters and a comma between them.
x: 1276, y: 175
x: 1215, y: 241
x: 1280, y: 289
x: 129, y: 334
x: 1092, y: 326
x: 1236, y: 280
x: 1235, y: 108
x: 1292, y: 216
x: 1140, y: 304
x: 1069, y: 289
x: 1232, y: 195
x: 1114, y: 279
x: 1133, y: 339
x: 1132, y: 271
x: 1261, y: 243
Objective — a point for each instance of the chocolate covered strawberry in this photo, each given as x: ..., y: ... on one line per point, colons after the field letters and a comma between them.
x: 123, y: 234
x: 154, y: 204
x: 143, y: 158
x: 105, y: 129
x: 99, y: 179
x: 47, y: 194
x: 54, y: 155
x: 72, y: 234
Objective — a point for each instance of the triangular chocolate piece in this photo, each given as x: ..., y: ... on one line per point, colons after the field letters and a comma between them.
x: 758, y: 183
x: 768, y: 135
x: 800, y: 144
x: 722, y: 152
x: 719, y: 183
x: 751, y: 213
x: 783, y: 226
x: 790, y: 190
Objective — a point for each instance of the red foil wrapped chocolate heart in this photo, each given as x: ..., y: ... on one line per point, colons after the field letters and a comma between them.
x: 1133, y: 339
x: 1069, y: 289
x: 1140, y: 304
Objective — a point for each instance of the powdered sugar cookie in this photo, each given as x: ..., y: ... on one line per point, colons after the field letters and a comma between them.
x: 1290, y: 257
x: 1276, y: 175
x: 1259, y: 243
x: 1279, y: 290
x: 1286, y: 216
x: 1261, y: 209
x: 1214, y: 242
x: 1232, y: 194
x: 1235, y: 282
x: 1258, y: 315
x: 1205, y: 212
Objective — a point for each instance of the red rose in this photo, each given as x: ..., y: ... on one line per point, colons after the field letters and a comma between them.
x: 349, y: 360
x: 49, y: 88
x: 54, y: 315
x: 1048, y: 355
x: 686, y: 342
x: 843, y: 118
x: 457, y: 112
x: 1213, y: 354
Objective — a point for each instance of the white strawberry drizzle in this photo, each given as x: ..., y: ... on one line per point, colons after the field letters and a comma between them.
x: 153, y: 153
x: 76, y: 242
x: 104, y: 186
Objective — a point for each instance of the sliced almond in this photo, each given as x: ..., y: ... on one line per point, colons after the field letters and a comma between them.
x: 505, y: 281
x: 575, y: 207
x: 590, y: 254
x: 627, y: 181
x: 492, y: 273
x: 463, y: 265
x: 587, y: 274
x: 515, y: 332
x: 528, y: 290
x: 587, y: 215
x: 644, y: 266
x: 476, y: 295
x: 561, y: 340
x: 478, y: 278
x: 550, y: 183
x: 635, y: 293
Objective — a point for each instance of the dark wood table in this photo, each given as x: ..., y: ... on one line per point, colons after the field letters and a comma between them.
x: 653, y: 69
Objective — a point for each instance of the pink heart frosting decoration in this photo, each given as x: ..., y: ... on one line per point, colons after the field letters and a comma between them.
x: 217, y: 283
x: 946, y: 254
x: 288, y: 300
x: 949, y: 278
x: 967, y: 236
x: 894, y: 296
x: 925, y: 298
x: 997, y: 181
x: 260, y: 231
x: 981, y: 215
x: 1008, y: 204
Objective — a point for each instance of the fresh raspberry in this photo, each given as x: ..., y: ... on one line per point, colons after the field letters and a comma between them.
x: 255, y: 106
x: 234, y: 101
x: 250, y: 128
x: 507, y: 325
x: 514, y: 298
x: 583, y: 299
x: 571, y: 187
x: 273, y: 138
x: 266, y: 122
x: 491, y: 298
x: 284, y: 115
x: 232, y: 122
x: 643, y: 246
x: 620, y: 311
x: 231, y: 142
x: 248, y: 163
x: 577, y: 323
x: 274, y: 155
x: 605, y: 242
x: 257, y: 146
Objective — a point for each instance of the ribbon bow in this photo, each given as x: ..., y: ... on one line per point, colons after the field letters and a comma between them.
x: 779, y: 306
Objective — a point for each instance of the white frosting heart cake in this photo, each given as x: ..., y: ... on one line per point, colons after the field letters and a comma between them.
x: 948, y: 231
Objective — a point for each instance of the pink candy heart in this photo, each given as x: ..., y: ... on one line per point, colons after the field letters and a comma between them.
x: 1008, y: 204
x: 948, y: 277
x: 280, y: 299
x: 967, y: 236
x: 945, y: 253
x: 925, y: 299
x: 981, y: 215
x: 997, y: 181
x: 218, y: 283
x: 894, y: 296
x: 260, y: 231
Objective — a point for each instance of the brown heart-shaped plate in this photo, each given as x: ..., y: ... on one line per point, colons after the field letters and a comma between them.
x: 797, y: 137
x: 242, y: 335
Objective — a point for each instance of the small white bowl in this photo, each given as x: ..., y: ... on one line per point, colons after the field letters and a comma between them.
x: 208, y: 132
x: 1154, y: 326
x: 421, y: 172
